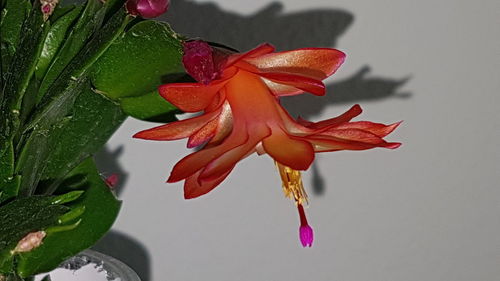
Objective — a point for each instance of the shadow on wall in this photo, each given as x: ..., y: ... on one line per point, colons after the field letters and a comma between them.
x: 319, y: 28
x: 313, y: 28
x: 286, y: 31
x: 357, y: 88
x: 107, y: 163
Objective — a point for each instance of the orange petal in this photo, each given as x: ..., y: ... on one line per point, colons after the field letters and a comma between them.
x: 325, y: 144
x: 303, y: 83
x: 317, y: 63
x: 294, y: 153
x: 378, y: 129
x: 232, y: 157
x: 197, y: 160
x: 225, y: 162
x: 177, y: 130
x: 260, y: 50
x: 204, y: 134
x: 345, y: 117
x: 224, y: 125
x: 194, y: 188
x: 191, y: 97
x: 282, y: 90
x: 353, y: 135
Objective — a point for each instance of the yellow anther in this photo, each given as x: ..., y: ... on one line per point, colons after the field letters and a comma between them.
x: 292, y: 184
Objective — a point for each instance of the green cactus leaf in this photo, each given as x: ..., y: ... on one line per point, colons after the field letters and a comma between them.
x: 89, y: 22
x: 17, y: 81
x: 22, y: 216
x: 54, y: 40
x: 148, y: 55
x: 58, y: 103
x: 150, y: 107
x: 14, y: 13
x: 100, y: 211
x: 93, y: 120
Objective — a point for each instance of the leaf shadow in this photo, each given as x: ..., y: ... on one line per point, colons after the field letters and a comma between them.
x: 107, y: 163
x: 128, y: 250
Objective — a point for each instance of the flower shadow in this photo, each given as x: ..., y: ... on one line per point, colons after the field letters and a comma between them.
x: 116, y: 244
x: 319, y: 28
x: 358, y: 88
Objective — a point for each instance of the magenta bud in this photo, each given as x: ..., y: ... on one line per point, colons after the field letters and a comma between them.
x: 47, y: 7
x: 147, y: 8
x: 306, y: 235
x: 199, y: 62
x: 112, y: 180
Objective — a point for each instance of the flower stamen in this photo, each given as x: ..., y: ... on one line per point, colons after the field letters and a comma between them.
x: 292, y: 184
x: 294, y: 189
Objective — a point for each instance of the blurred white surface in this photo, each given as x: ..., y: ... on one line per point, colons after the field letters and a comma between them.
x: 429, y: 210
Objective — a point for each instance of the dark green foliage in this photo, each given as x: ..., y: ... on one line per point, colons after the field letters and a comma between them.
x: 145, y: 54
x: 150, y: 107
x: 101, y: 209
x: 93, y: 121
x: 51, y: 114
x: 90, y: 20
x: 25, y: 215
x: 13, y: 15
x: 61, y: 98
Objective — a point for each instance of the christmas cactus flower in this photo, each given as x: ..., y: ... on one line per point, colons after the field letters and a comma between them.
x: 239, y: 97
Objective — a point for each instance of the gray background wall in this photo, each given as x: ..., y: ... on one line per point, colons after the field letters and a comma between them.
x: 429, y: 210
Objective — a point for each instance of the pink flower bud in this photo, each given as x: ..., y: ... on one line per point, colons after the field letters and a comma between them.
x: 198, y: 61
x: 111, y: 180
x: 47, y: 7
x: 147, y: 8
x: 29, y: 242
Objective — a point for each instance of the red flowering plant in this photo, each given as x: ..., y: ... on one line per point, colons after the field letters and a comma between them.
x: 69, y: 76
x: 239, y: 97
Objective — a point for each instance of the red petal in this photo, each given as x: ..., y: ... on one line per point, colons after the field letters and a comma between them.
x: 197, y: 160
x: 353, y: 135
x: 191, y: 97
x: 204, y: 134
x: 282, y: 90
x: 193, y: 188
x: 225, y: 162
x: 230, y: 158
x: 317, y: 63
x: 354, y: 111
x: 325, y: 144
x: 310, y: 85
x: 378, y: 129
x: 224, y: 124
x: 177, y: 130
x: 256, y: 52
x: 294, y: 153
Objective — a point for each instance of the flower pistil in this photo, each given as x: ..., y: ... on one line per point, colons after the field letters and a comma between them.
x: 294, y: 189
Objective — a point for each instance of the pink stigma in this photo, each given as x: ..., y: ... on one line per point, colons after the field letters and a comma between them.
x: 306, y: 233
